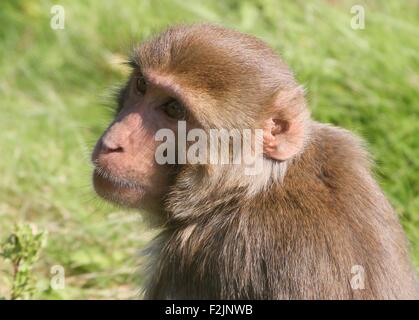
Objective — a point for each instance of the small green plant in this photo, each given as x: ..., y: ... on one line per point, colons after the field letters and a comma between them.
x: 22, y: 249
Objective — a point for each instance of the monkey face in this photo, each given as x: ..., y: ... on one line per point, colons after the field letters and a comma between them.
x: 124, y: 157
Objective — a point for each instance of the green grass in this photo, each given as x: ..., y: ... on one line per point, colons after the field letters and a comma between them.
x: 55, y: 84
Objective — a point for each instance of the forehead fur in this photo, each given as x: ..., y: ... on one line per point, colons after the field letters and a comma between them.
x: 211, y: 55
x: 221, y: 63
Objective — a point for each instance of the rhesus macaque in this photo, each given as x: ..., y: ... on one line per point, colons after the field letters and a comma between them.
x: 312, y: 224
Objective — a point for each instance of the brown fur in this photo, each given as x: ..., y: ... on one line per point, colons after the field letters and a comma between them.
x: 293, y: 232
x: 297, y: 240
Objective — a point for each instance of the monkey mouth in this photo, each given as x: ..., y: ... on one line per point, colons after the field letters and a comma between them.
x: 117, y: 189
x: 116, y: 181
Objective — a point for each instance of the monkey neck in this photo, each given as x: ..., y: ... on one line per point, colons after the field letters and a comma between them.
x: 201, y: 191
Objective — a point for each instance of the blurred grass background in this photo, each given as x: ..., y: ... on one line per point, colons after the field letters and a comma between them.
x: 55, y: 86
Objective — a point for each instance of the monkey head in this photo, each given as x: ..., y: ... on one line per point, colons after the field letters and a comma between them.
x: 209, y: 77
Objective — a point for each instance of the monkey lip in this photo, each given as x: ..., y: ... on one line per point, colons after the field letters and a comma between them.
x: 106, y: 183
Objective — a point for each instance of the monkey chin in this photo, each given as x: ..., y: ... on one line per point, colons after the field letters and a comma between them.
x: 119, y: 191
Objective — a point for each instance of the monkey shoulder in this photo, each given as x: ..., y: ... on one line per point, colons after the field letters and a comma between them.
x: 333, y: 158
x: 339, y: 148
x: 333, y: 176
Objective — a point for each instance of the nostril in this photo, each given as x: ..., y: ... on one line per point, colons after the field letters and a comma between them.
x: 110, y: 150
x: 110, y: 146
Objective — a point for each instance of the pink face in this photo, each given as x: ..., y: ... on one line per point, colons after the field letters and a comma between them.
x: 124, y: 157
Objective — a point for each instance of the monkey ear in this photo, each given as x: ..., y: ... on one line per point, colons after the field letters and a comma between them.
x: 284, y: 130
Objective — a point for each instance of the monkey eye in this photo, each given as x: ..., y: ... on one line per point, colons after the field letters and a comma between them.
x: 174, y: 110
x: 141, y: 85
